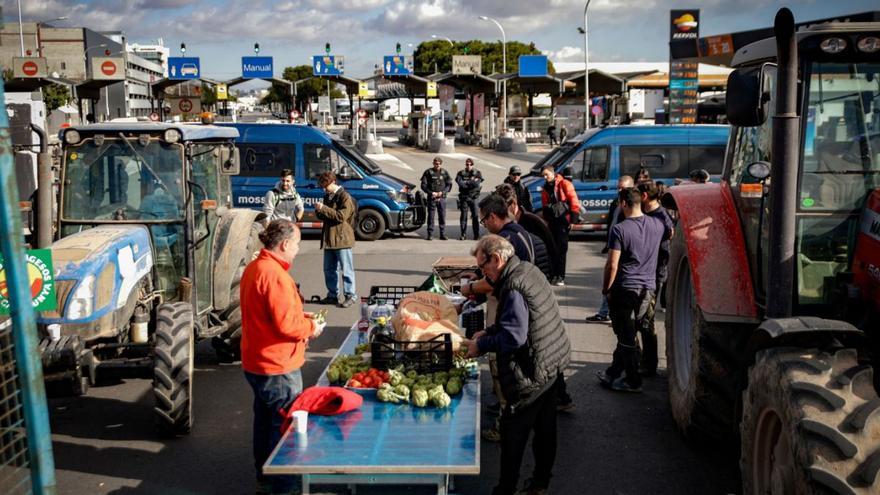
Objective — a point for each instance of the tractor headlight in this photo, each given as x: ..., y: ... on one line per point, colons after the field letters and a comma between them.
x: 869, y: 44
x: 833, y: 45
x: 71, y: 136
x: 172, y: 135
x: 81, y: 302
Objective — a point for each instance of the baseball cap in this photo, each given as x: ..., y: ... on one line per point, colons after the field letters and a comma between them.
x: 515, y: 170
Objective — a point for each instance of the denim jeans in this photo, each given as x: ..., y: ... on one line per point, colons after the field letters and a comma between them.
x: 272, y: 393
x: 603, y: 310
x: 333, y: 258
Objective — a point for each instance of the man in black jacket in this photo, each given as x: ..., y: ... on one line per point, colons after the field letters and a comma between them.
x: 532, y: 347
x: 470, y: 182
x: 523, y: 197
x: 436, y: 183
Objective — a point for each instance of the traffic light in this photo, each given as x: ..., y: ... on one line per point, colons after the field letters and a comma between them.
x: 327, y: 48
x: 183, y: 48
x: 398, y: 48
x: 257, y: 48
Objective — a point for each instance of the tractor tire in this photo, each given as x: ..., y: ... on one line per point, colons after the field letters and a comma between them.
x: 173, y: 368
x: 370, y: 225
x: 227, y: 344
x: 704, y: 360
x: 810, y: 424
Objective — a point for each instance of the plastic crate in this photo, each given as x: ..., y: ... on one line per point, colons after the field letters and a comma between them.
x: 473, y: 322
x: 389, y: 293
x: 427, y: 356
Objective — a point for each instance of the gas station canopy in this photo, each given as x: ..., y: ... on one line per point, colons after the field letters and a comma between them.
x: 470, y: 83
x: 533, y: 84
x: 601, y: 83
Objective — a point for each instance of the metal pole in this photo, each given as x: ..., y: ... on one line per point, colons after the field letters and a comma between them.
x: 586, y: 69
x: 20, y: 28
x: 783, y: 201
x: 503, y: 114
x: 44, y: 191
x: 24, y: 325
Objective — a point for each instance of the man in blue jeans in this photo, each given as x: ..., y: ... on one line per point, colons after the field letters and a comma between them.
x: 338, y: 213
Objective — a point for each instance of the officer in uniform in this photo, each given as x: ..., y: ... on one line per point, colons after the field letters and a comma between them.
x: 469, y: 181
x: 436, y: 182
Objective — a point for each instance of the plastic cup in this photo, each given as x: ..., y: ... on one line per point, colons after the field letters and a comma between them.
x: 300, y: 421
x: 54, y: 331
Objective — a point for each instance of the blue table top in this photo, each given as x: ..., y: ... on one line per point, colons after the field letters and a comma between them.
x: 385, y: 438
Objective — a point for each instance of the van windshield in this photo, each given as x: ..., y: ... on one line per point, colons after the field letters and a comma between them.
x: 358, y: 157
x: 556, y: 156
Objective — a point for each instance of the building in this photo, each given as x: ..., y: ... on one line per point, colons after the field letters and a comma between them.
x: 157, y: 54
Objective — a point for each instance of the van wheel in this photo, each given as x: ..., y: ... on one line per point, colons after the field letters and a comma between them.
x: 370, y: 225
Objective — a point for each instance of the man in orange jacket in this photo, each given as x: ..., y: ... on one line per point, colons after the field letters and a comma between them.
x: 275, y: 332
x: 561, y: 208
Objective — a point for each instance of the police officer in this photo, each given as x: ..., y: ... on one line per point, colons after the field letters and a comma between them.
x: 436, y: 183
x: 469, y: 181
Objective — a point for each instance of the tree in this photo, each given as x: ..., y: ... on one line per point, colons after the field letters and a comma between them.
x: 305, y: 90
x: 55, y: 96
x: 209, y: 95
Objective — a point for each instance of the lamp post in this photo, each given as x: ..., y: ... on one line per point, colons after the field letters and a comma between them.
x: 443, y: 38
x: 586, y: 70
x: 37, y: 32
x: 504, y: 63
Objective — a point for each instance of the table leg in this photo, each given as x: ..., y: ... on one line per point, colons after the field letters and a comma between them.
x: 353, y: 488
x: 442, y: 481
x: 306, y: 489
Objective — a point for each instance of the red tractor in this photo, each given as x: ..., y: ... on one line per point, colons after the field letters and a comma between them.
x: 773, y: 319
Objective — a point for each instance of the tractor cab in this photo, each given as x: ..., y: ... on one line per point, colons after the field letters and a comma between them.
x: 169, y: 179
x: 838, y: 101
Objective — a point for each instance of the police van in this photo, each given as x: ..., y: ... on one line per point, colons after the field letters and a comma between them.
x: 385, y: 203
x: 597, y: 158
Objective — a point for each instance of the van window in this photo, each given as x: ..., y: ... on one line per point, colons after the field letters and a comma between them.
x: 671, y: 161
x: 266, y: 160
x: 321, y: 158
x: 591, y: 164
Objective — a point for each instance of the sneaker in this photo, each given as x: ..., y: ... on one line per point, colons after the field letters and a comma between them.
x: 621, y: 385
x: 491, y: 435
x: 462, y: 237
x: 329, y: 300
x: 494, y: 409
x: 560, y: 282
x: 604, y: 378
x: 430, y: 237
x: 348, y: 302
x: 443, y: 237
x: 596, y: 318
x: 565, y: 406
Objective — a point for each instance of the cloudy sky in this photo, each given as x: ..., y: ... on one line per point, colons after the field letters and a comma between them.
x: 221, y: 31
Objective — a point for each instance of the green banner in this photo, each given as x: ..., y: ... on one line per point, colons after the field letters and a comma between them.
x: 41, y: 280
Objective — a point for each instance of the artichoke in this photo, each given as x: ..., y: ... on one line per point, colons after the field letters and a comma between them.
x: 420, y: 397
x: 453, y: 386
x: 441, y: 400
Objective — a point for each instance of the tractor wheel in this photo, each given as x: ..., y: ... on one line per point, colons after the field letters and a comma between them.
x: 370, y: 225
x: 226, y: 345
x: 173, y: 368
x: 702, y: 358
x: 811, y: 424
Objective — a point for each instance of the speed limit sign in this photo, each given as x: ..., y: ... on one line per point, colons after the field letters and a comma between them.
x: 362, y: 113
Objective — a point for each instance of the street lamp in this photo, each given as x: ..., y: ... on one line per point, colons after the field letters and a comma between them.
x: 503, y: 63
x: 37, y: 32
x: 586, y: 71
x: 443, y: 38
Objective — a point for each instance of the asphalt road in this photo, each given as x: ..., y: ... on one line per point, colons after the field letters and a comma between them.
x: 610, y: 444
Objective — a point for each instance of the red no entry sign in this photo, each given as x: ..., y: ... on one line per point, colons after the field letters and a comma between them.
x: 29, y: 68
x: 108, y: 68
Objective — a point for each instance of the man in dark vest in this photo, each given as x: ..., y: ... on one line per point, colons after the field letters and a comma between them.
x: 532, y: 347
x: 436, y: 183
x: 470, y: 182
x: 523, y: 196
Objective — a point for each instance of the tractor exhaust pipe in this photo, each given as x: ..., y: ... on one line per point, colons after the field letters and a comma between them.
x: 45, y: 191
x: 784, y: 171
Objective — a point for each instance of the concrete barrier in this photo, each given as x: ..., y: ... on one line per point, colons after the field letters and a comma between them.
x: 441, y: 145
x: 370, y: 146
x: 511, y: 144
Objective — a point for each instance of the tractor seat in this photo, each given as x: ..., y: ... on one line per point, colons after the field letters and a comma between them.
x: 840, y: 190
x: 811, y: 278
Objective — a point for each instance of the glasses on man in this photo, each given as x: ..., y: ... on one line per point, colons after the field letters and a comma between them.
x: 483, y: 220
x: 484, y: 263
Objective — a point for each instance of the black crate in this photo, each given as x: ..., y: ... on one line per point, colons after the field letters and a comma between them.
x: 391, y: 294
x: 427, y: 356
x: 473, y: 322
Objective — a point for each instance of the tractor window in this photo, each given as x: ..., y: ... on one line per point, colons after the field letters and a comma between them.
x: 115, y: 180
x: 841, y: 162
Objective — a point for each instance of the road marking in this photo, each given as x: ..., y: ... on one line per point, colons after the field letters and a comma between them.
x: 389, y: 159
x: 477, y: 161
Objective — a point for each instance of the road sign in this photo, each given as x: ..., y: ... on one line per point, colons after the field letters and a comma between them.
x: 395, y: 65
x: 154, y: 116
x: 41, y: 281
x: 324, y: 104
x: 183, y: 68
x: 183, y: 105
x: 363, y: 89
x: 362, y: 121
x: 362, y: 113
x: 432, y: 89
x: 108, y: 68
x: 29, y: 67
x: 294, y: 114
x: 532, y: 65
x: 467, y: 64
x: 256, y: 67
x: 328, y: 65
x: 596, y: 110
x: 222, y: 91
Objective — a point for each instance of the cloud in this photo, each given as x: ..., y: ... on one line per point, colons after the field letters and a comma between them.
x: 566, y: 54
